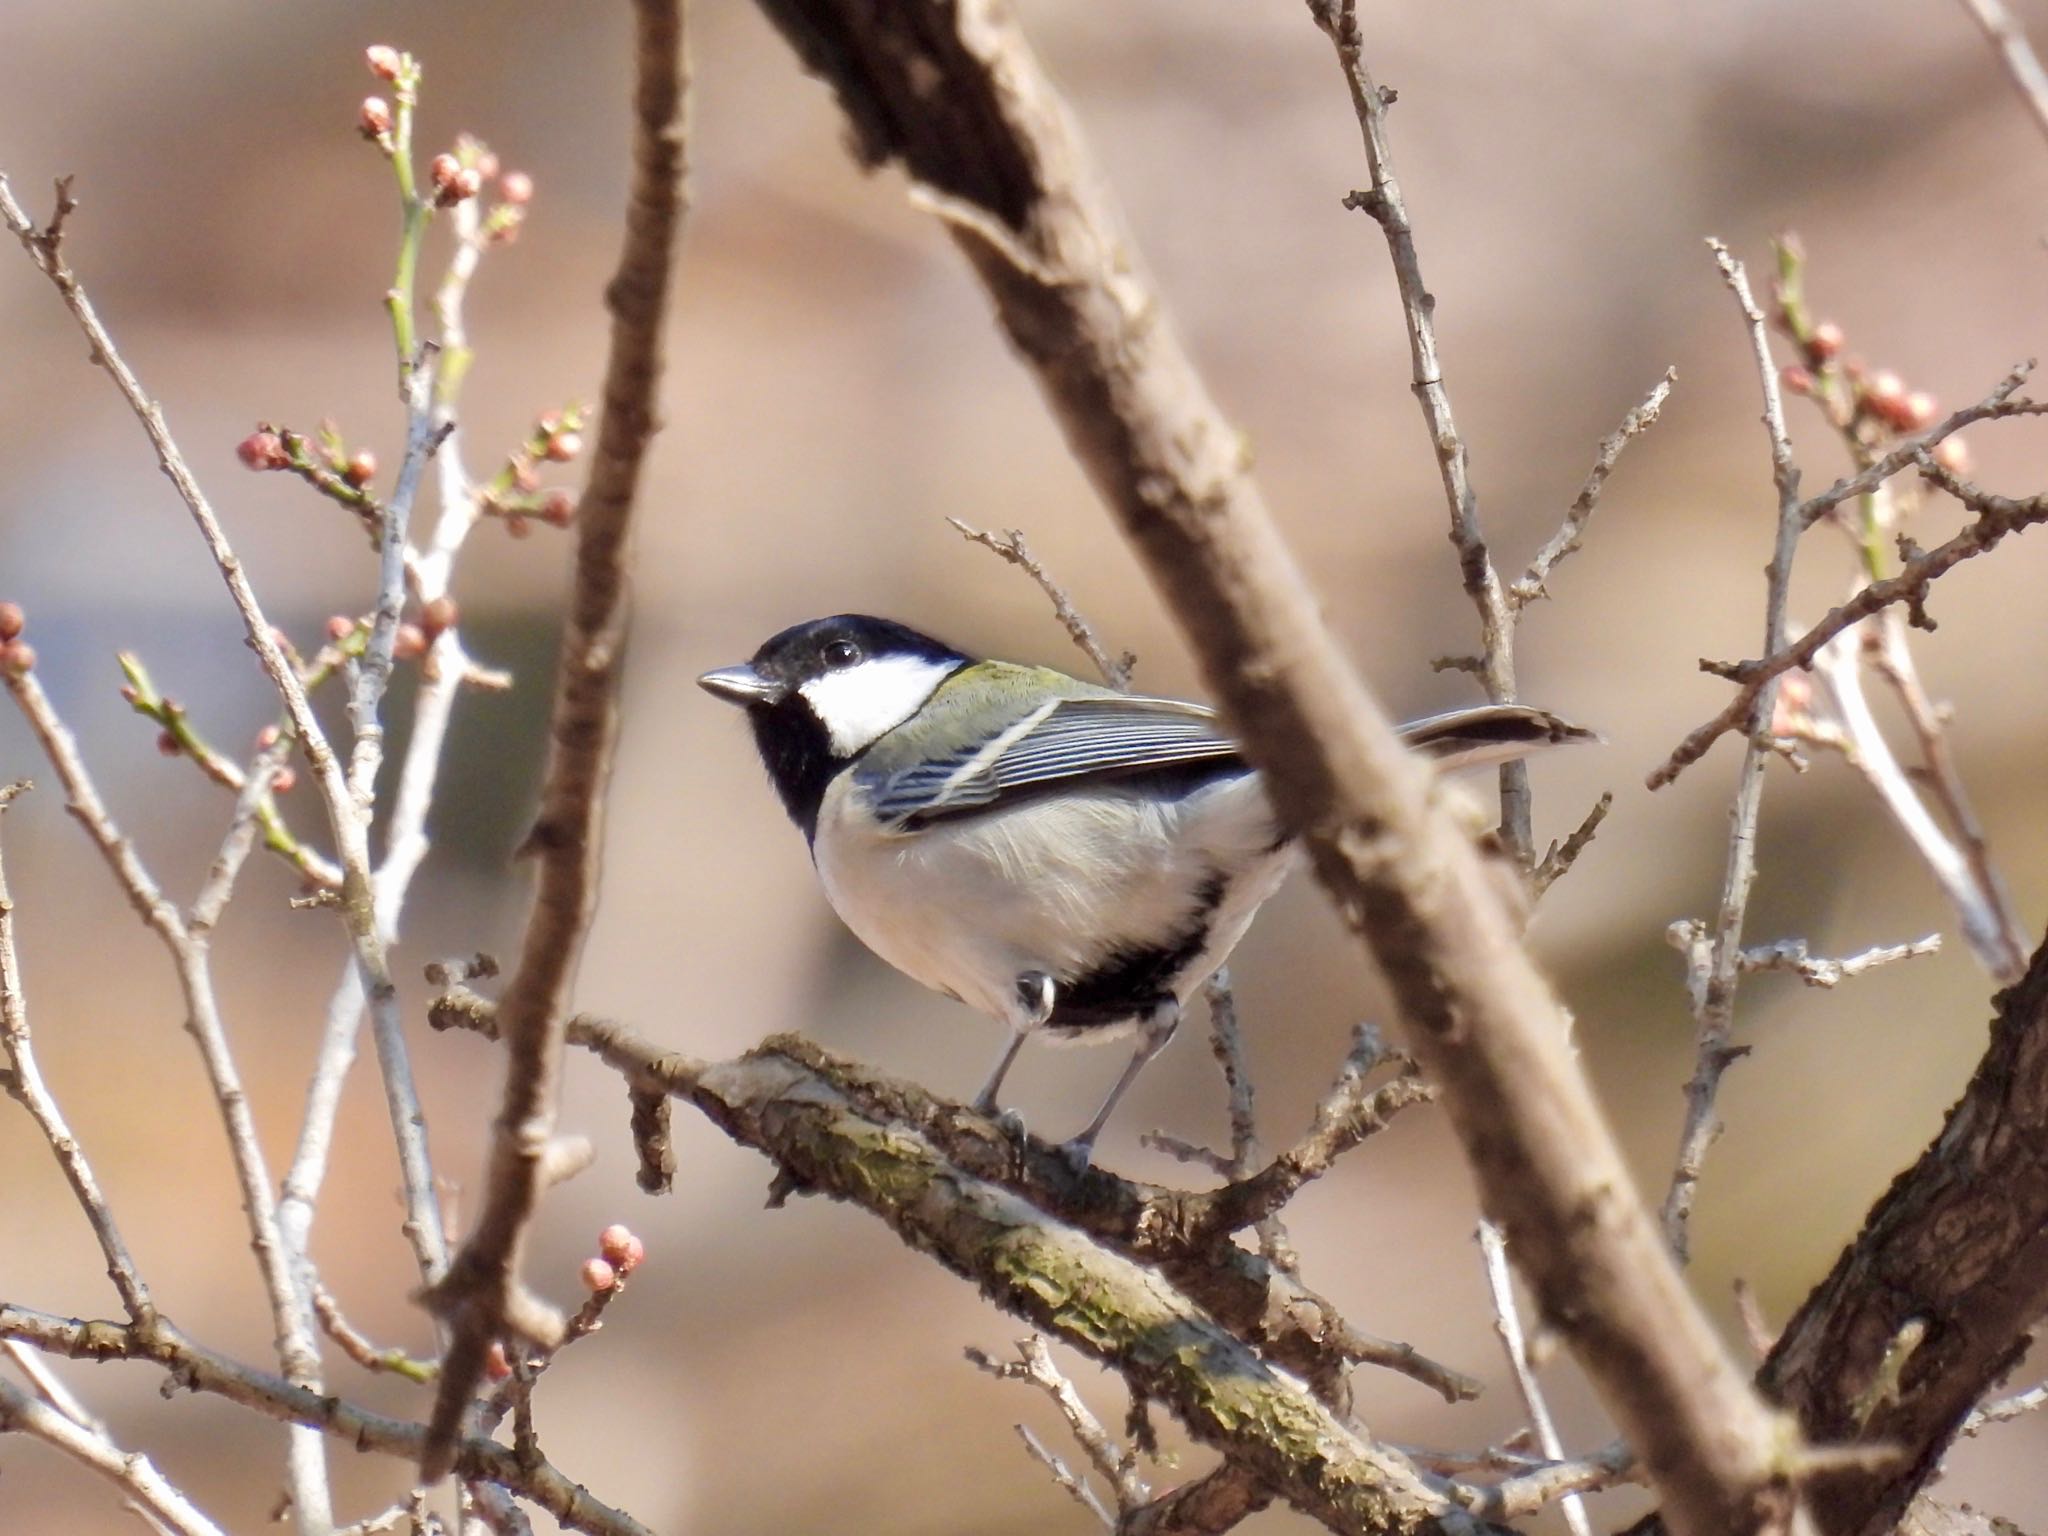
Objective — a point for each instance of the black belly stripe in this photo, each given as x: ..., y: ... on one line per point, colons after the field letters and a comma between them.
x: 1133, y: 981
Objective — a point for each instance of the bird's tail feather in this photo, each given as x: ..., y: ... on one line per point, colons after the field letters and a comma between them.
x: 1490, y: 733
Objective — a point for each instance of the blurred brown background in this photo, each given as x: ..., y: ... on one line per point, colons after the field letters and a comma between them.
x: 837, y: 389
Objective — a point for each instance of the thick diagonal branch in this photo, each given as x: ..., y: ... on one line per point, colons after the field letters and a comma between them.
x: 953, y: 93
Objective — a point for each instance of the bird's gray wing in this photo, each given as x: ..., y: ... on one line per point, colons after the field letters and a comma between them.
x: 1063, y: 741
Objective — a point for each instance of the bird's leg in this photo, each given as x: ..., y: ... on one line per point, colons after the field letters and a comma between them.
x: 1154, y: 1030
x: 1035, y: 1002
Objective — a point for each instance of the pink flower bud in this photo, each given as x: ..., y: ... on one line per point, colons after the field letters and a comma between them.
x: 340, y: 627
x: 1920, y: 410
x: 361, y: 468
x: 1825, y: 344
x: 516, y: 187
x: 561, y: 447
x: 622, y: 1248
x: 167, y: 744
x: 284, y: 780
x: 1953, y: 455
x: 11, y: 621
x: 374, y: 120
x: 496, y: 1365
x: 409, y: 644
x: 517, y: 526
x: 17, y: 658
x: 263, y: 450
x: 385, y: 62
x: 1797, y: 380
x: 558, y: 510
x: 266, y: 738
x: 598, y: 1276
x: 453, y: 181
x: 440, y: 614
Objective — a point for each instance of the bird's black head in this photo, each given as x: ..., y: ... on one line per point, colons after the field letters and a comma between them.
x: 820, y: 694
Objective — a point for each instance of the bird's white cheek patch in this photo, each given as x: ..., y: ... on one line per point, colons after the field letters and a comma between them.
x: 861, y: 703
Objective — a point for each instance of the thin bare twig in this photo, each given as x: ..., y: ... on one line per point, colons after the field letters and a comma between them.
x: 1792, y: 955
x: 1991, y: 902
x: 1382, y: 200
x: 1557, y: 861
x: 1063, y: 1478
x: 1115, y: 670
x: 482, y: 1296
x: 134, y: 1474
x: 2004, y: 1409
x: 1984, y: 924
x: 1998, y: 405
x: 2016, y: 53
x: 1561, y: 545
x: 1996, y: 517
x: 25, y: 1082
x: 357, y: 1345
x: 1347, y: 1115
x: 443, y: 671
x: 50, y: 1387
x: 298, y: 1350
x: 1525, y: 1493
x: 349, y: 823
x: 1117, y: 1464
x: 1713, y: 994
x: 1507, y: 1322
x: 193, y: 1367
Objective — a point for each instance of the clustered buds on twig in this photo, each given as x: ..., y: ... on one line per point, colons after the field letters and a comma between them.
x: 438, y: 615
x: 621, y: 1248
x: 263, y: 449
x: 17, y: 656
x: 1792, y: 711
x: 453, y: 182
x: 619, y: 1253
x: 514, y: 494
x: 1868, y: 406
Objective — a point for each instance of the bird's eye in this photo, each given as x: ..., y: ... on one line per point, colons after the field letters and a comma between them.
x: 841, y: 653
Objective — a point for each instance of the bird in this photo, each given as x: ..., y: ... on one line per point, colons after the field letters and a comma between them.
x: 1070, y: 860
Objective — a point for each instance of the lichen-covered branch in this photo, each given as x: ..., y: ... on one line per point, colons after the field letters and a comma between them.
x: 1254, y: 1298
x: 1051, y: 1273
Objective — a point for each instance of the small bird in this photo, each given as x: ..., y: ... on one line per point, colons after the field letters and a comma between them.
x: 1066, y: 859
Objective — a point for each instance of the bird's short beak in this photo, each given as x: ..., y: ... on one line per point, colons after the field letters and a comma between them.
x: 742, y: 685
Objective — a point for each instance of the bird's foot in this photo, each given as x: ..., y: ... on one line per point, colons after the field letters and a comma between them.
x: 1078, y: 1153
